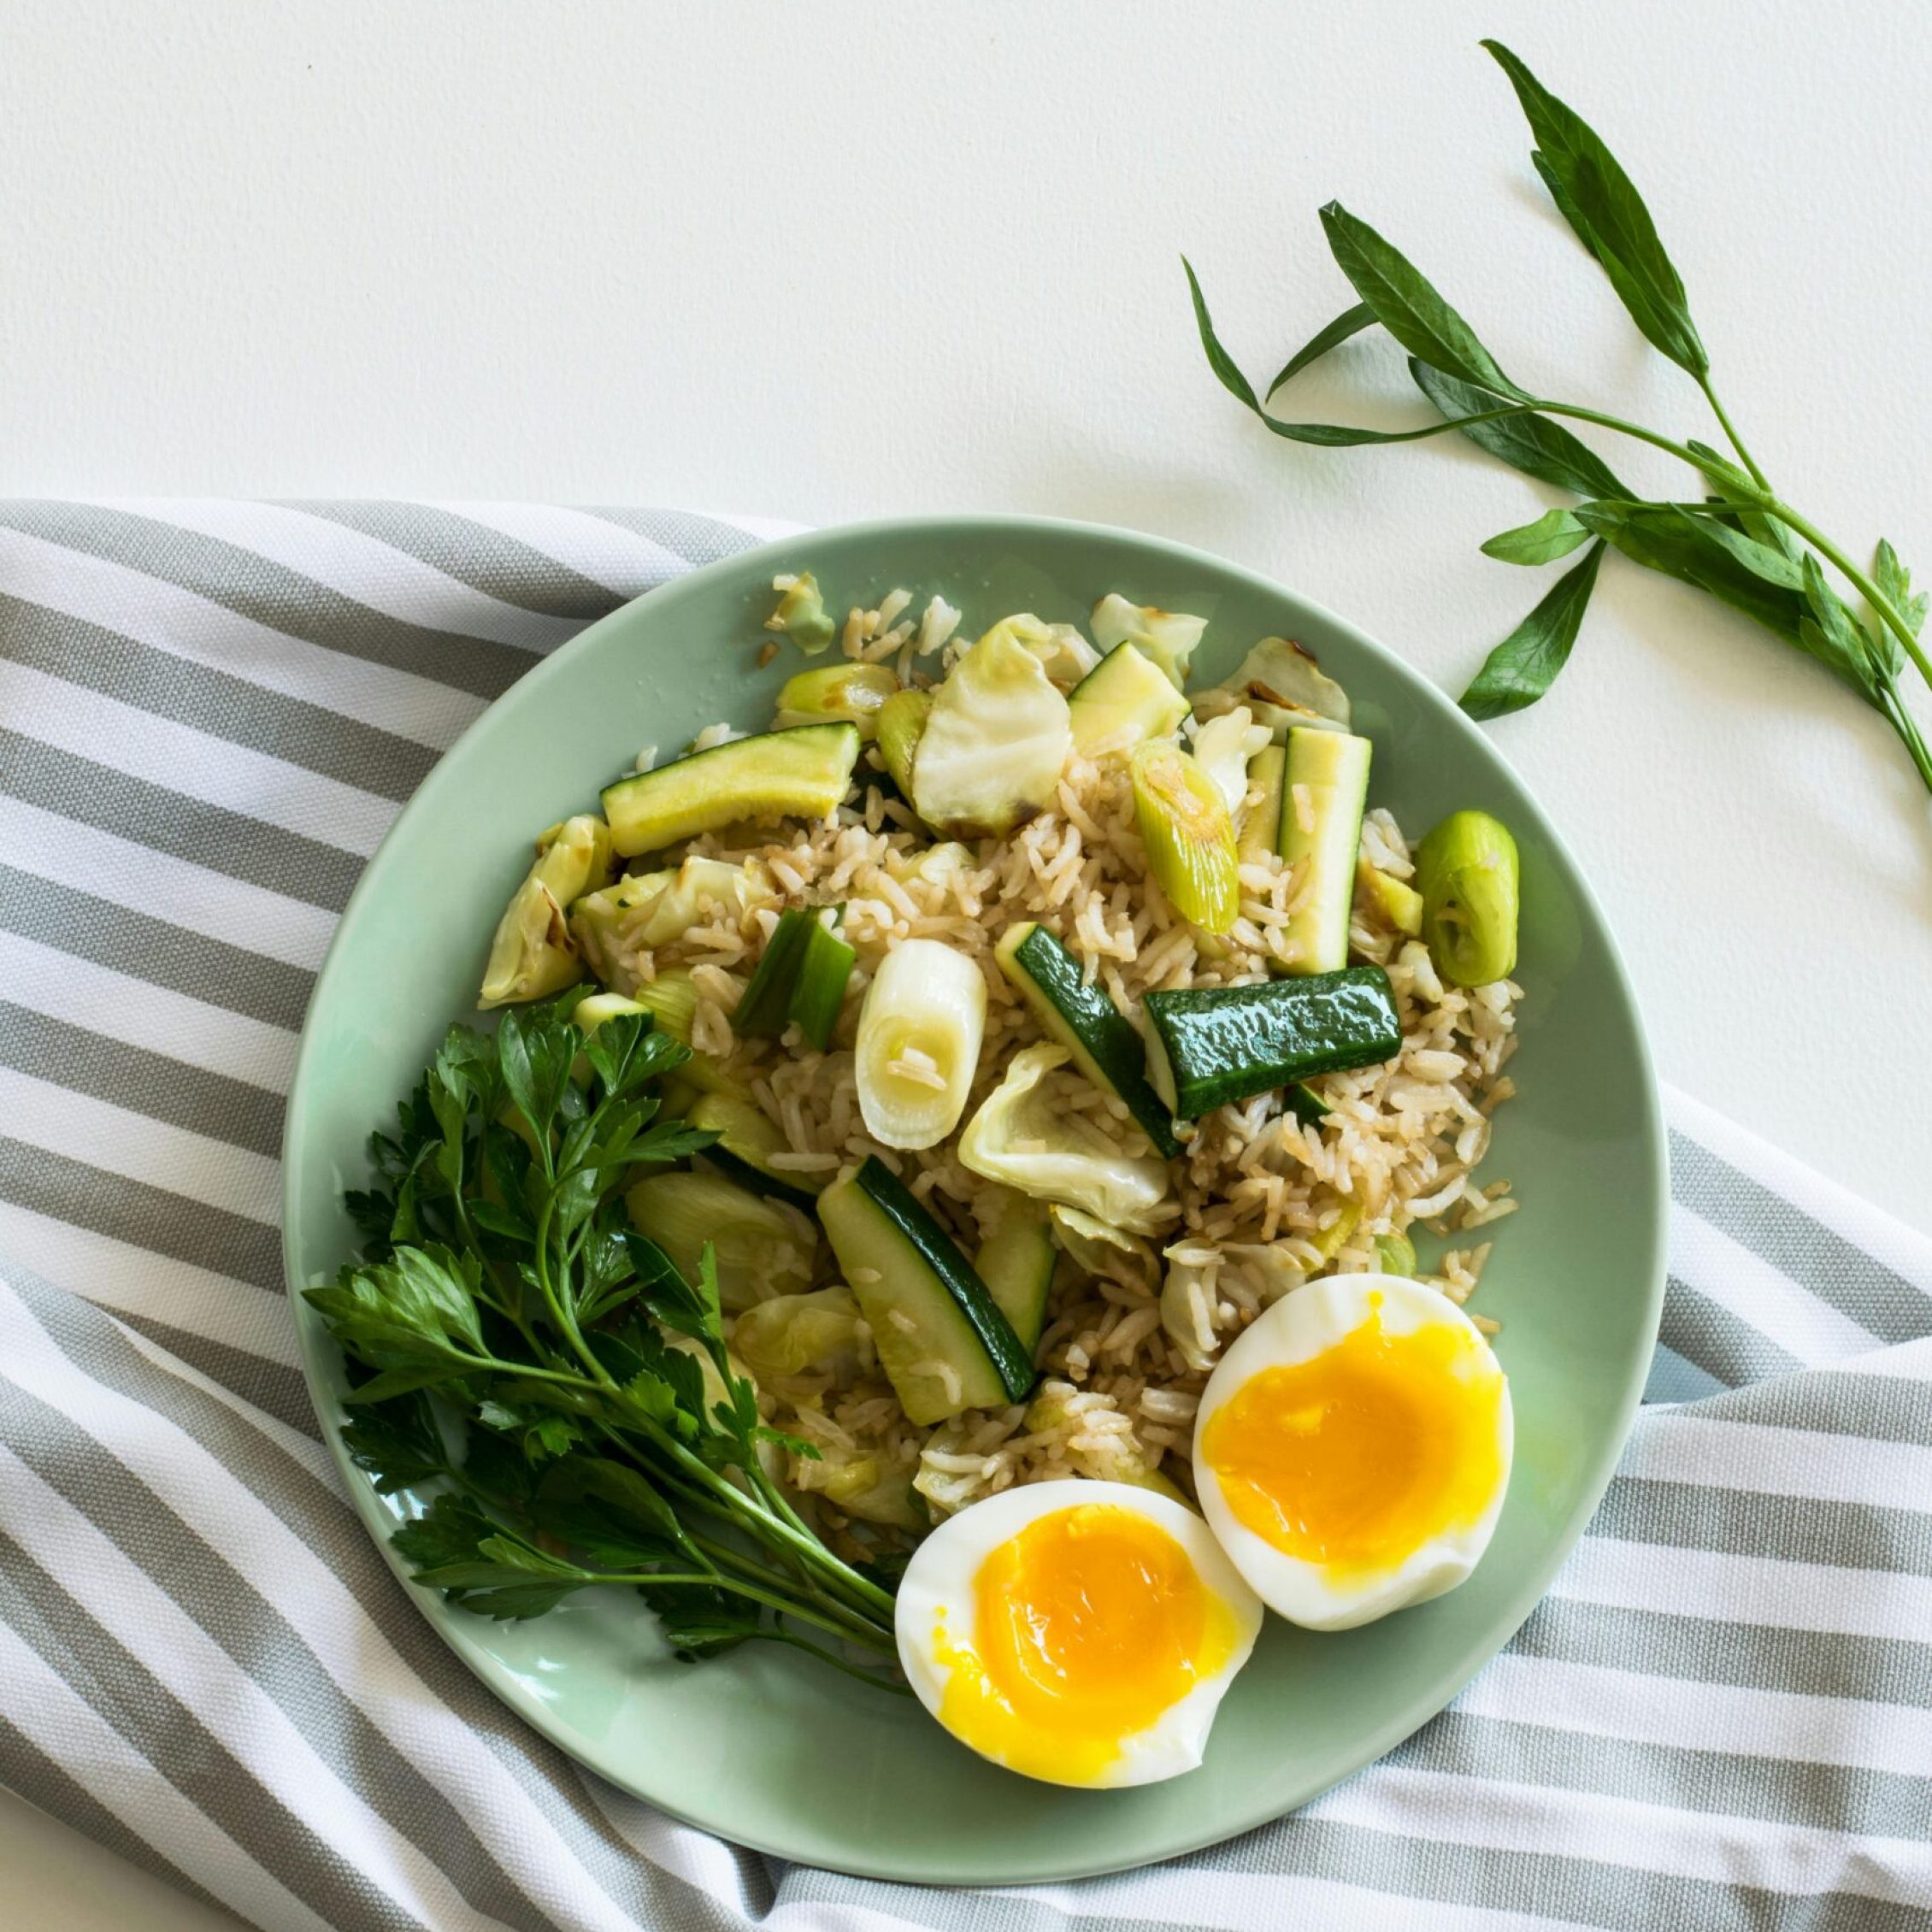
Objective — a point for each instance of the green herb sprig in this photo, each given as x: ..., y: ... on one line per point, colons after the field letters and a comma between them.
x: 1739, y: 541
x: 566, y: 1394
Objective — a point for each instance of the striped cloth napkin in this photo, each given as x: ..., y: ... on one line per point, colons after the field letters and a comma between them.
x: 1721, y: 1716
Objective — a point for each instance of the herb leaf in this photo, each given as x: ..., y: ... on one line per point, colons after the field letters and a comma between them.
x: 1328, y: 435
x: 1525, y: 664
x: 1351, y: 321
x: 1555, y: 533
x: 1600, y: 201
x: 1406, y: 303
x: 1530, y: 443
x: 1894, y: 585
x: 1749, y: 576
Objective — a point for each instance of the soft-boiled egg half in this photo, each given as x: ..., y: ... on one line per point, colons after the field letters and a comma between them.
x: 1352, y: 1448
x: 1079, y: 1632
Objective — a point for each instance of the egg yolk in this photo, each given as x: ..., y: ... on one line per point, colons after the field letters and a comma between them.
x: 1354, y: 1458
x: 1089, y: 1624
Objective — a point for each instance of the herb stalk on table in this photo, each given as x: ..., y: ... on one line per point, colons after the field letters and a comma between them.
x: 548, y: 1369
x: 1739, y: 539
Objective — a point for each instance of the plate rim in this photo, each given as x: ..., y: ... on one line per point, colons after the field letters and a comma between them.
x: 985, y: 527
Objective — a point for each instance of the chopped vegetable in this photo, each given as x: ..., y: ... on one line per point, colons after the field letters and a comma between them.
x: 820, y: 994
x: 900, y: 724
x: 1189, y: 835
x: 1017, y: 1262
x: 1098, y: 1249
x: 747, y: 1138
x: 1283, y: 686
x: 803, y: 773
x: 1394, y: 901
x: 940, y: 1337
x: 650, y: 909
x: 1127, y: 1458
x: 1213, y: 1046
x: 764, y: 1247
x: 801, y: 614
x: 1396, y: 1253
x: 1303, y: 1103
x: 801, y: 1334
x: 1125, y: 699
x: 1261, y: 824
x: 1064, y: 653
x: 1467, y: 872
x: 870, y: 1488
x: 671, y: 999
x: 801, y: 977
x: 919, y: 1034
x: 1022, y: 1137
x: 1105, y: 1045
x: 1166, y: 637
x: 533, y: 954
x: 855, y: 693
x: 1327, y: 784
x: 1225, y: 747
x: 1329, y: 1241
x: 996, y: 739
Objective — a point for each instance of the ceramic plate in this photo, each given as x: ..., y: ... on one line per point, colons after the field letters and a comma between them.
x: 764, y: 1746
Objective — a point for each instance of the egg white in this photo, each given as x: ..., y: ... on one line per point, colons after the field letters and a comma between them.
x: 1303, y: 1325
x: 942, y: 1575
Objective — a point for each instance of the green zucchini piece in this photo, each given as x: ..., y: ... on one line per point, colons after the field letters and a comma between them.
x: 942, y: 1341
x: 1306, y: 1104
x: 747, y: 1138
x: 1016, y: 1261
x: 1332, y: 769
x: 1213, y: 1046
x: 801, y: 772
x: 1261, y: 824
x: 1105, y: 1045
x: 1124, y: 699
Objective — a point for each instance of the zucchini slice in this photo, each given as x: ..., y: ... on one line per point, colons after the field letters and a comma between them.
x: 747, y: 1138
x: 1260, y: 825
x: 1016, y: 1261
x: 1105, y: 1045
x: 942, y: 1341
x: 1329, y: 770
x: 1213, y: 1046
x: 1124, y: 699
x: 802, y: 773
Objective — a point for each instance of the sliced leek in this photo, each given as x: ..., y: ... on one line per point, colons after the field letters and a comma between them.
x: 919, y: 1034
x: 1189, y: 834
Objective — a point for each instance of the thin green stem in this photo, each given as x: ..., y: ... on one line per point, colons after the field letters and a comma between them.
x: 1731, y: 435
x: 880, y: 1640
x: 897, y: 1686
x: 1576, y: 411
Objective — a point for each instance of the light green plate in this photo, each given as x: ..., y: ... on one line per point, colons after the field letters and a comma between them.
x: 764, y: 1746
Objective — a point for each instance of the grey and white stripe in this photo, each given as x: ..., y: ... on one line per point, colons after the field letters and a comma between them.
x: 206, y: 1665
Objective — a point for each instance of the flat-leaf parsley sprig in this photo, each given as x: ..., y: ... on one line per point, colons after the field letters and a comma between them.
x: 1738, y: 539
x: 548, y: 1373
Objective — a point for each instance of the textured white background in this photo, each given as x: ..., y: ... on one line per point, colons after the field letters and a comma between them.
x: 840, y: 260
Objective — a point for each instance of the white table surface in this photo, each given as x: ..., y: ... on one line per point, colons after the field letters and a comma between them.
x: 831, y: 260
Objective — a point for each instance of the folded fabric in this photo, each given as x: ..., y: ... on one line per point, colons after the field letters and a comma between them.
x: 210, y: 712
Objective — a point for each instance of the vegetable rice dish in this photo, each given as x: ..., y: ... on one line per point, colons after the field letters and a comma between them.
x: 1057, y: 1071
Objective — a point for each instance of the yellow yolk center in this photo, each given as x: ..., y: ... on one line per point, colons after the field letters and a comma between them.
x: 1354, y: 1458
x: 1089, y: 1624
